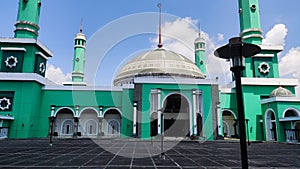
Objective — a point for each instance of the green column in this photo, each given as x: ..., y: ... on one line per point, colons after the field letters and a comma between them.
x: 250, y: 21
x: 250, y: 29
x: 28, y: 19
x: 79, y: 58
x: 200, y: 60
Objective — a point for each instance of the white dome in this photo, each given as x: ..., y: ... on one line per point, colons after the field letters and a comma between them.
x: 80, y: 36
x: 159, y: 63
x: 281, y: 92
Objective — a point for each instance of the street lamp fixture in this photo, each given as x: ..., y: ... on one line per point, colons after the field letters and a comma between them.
x: 135, y: 103
x: 247, y: 120
x: 236, y: 51
x: 76, y: 120
x: 101, y: 108
x: 101, y: 111
x: 51, y: 125
x: 162, y: 153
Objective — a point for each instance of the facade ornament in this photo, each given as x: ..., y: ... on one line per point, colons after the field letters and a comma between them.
x: 4, y: 103
x: 264, y: 68
x: 42, y: 67
x: 11, y: 62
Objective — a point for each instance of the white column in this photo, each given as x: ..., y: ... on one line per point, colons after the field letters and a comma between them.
x: 201, y: 113
x: 100, y: 119
x: 158, y: 112
x: 134, y: 118
x: 195, y: 112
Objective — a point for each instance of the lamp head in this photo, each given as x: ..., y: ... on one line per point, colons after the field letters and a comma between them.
x: 236, y: 50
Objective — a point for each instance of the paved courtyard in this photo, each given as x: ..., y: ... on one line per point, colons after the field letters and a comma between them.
x: 86, y: 153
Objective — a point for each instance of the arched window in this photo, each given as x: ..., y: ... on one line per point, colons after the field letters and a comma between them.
x: 290, y: 113
x: 91, y: 127
x: 113, y: 127
x: 67, y: 127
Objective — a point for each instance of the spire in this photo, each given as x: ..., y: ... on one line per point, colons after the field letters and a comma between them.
x: 28, y: 19
x: 199, y: 29
x: 80, y: 30
x: 199, y: 39
x: 159, y: 34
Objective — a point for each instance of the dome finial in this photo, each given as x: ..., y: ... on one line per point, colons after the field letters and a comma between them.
x: 199, y: 29
x: 159, y: 35
x: 81, y: 25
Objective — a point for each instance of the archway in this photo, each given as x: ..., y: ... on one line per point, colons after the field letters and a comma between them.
x: 226, y: 129
x: 290, y: 113
x: 153, y: 125
x: 64, y: 122
x: 91, y: 127
x: 291, y: 118
x: 67, y: 127
x: 176, y: 116
x: 229, y: 120
x: 88, y: 122
x: 112, y: 123
x: 271, y: 129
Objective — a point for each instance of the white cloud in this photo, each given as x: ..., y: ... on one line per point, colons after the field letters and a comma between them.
x: 289, y: 66
x: 220, y: 37
x: 56, y: 75
x: 276, y: 36
x: 289, y: 63
x: 179, y: 36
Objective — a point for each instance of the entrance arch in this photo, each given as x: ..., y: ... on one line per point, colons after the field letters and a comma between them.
x: 67, y: 127
x: 176, y: 111
x: 270, y: 123
x: 112, y: 123
x: 91, y: 127
x: 88, y: 122
x: 229, y: 120
x: 292, y: 112
x: 64, y: 122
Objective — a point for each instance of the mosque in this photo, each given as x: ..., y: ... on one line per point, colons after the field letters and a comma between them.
x: 157, y: 92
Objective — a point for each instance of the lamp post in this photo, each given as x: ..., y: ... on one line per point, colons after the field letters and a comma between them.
x: 247, y: 120
x: 51, y: 124
x: 100, y: 126
x: 162, y: 153
x: 76, y: 120
x: 237, y: 50
x: 51, y: 121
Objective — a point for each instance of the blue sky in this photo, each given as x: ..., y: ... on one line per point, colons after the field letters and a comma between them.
x: 60, y: 20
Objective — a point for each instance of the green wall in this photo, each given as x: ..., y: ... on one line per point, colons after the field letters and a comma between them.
x: 25, y: 108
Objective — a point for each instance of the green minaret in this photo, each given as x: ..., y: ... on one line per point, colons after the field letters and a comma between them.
x: 28, y: 19
x: 264, y: 64
x: 200, y: 60
x: 250, y: 21
x: 79, y: 57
